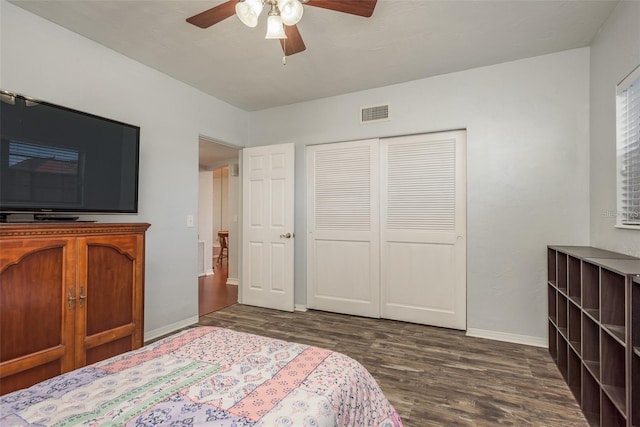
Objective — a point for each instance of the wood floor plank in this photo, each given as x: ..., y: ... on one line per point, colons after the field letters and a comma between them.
x: 433, y: 376
x: 214, y: 293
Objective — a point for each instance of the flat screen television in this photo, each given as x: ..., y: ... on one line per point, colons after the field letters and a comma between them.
x: 55, y: 159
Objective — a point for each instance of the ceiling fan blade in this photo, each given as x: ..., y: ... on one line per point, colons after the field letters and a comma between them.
x: 214, y: 15
x: 293, y: 43
x: 354, y: 7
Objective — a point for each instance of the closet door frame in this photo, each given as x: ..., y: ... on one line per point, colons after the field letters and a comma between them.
x: 335, y: 271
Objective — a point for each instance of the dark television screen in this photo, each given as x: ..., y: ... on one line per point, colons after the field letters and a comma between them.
x: 55, y: 159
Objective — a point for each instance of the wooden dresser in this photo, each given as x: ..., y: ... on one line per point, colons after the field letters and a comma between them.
x: 71, y: 294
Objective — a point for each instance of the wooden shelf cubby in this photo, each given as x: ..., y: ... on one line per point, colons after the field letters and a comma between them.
x: 591, y: 345
x: 634, y: 397
x: 553, y: 341
x: 551, y: 263
x: 575, y: 327
x: 561, y: 275
x: 613, y: 372
x: 594, y: 330
x: 552, y: 303
x: 574, y: 280
x: 590, y: 398
x: 612, y: 303
x: 562, y: 316
x: 591, y: 288
x: 563, y: 357
x: 635, y: 386
x: 574, y: 377
x: 611, y: 417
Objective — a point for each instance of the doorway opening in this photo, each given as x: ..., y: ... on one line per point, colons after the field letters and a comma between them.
x: 218, y: 206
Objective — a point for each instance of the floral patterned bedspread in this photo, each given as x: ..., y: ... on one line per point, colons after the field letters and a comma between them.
x: 211, y: 377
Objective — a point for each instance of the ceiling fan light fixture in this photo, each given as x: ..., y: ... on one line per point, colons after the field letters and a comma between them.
x: 248, y: 12
x: 291, y: 11
x: 275, y: 28
x: 281, y: 13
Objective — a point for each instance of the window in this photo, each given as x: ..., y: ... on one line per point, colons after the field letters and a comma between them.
x: 628, y: 150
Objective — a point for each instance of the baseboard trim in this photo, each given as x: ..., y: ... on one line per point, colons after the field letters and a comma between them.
x: 209, y: 272
x: 151, y: 335
x: 232, y: 281
x: 503, y: 336
x: 299, y: 307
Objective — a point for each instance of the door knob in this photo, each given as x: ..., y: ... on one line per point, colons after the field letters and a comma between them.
x: 285, y: 236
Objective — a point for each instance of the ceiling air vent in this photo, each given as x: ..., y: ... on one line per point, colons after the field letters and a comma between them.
x: 374, y: 114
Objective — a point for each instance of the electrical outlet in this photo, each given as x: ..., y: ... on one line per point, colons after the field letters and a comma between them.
x: 189, y: 221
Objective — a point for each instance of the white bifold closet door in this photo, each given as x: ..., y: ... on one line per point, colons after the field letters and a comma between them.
x: 387, y: 228
x: 343, y: 245
x: 423, y: 229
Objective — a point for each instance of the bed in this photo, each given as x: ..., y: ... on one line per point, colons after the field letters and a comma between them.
x: 208, y: 376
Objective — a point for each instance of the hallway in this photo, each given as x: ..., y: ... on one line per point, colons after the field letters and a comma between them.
x: 213, y: 292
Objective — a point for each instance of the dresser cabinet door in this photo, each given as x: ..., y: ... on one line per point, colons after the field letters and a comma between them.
x: 37, y: 308
x: 110, y: 280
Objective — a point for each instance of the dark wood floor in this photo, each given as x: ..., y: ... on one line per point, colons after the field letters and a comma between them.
x: 433, y: 376
x: 213, y: 291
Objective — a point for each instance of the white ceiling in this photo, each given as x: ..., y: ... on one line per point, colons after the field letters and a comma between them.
x: 404, y: 40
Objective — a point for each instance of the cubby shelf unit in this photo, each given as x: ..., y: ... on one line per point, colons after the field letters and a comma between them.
x: 635, y: 353
x: 594, y: 330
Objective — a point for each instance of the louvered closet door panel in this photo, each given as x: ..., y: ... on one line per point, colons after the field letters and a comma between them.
x: 423, y: 221
x: 343, y: 249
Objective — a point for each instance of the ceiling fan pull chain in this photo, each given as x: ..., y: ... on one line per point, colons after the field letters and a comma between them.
x: 284, y: 57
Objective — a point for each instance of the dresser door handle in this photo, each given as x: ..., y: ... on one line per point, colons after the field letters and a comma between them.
x: 71, y: 299
x: 82, y: 296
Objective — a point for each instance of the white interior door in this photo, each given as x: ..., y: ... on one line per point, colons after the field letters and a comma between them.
x: 423, y: 229
x: 343, y: 248
x: 267, y: 226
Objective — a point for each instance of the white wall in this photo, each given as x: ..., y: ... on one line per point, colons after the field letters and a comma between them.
x: 528, y: 136
x: 234, y: 231
x: 220, y: 201
x: 527, y: 124
x: 226, y: 188
x: 43, y: 60
x: 614, y: 53
x: 205, y: 217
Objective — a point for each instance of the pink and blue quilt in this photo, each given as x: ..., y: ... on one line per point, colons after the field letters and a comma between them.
x: 208, y: 376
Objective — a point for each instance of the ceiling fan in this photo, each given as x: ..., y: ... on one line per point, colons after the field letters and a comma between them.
x: 287, y: 12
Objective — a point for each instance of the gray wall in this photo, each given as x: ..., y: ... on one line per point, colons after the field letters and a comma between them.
x: 205, y: 217
x: 614, y: 54
x: 528, y: 154
x: 43, y: 60
x: 527, y: 162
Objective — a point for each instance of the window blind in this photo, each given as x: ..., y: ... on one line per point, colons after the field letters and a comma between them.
x: 628, y: 149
